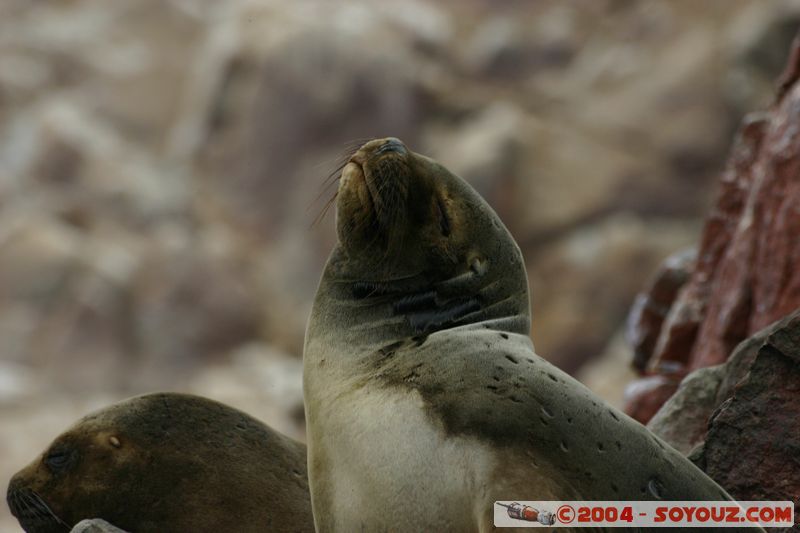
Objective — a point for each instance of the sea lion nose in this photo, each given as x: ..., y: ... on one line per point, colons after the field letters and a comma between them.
x: 14, y: 485
x: 392, y: 144
x: 12, y: 495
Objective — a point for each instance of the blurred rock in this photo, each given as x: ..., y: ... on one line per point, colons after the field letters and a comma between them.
x: 484, y: 150
x: 190, y: 309
x: 37, y: 255
x: 650, y: 308
x: 743, y: 279
x: 61, y: 297
x: 507, y: 48
x: 314, y: 86
x: 598, y: 260
x: 259, y: 380
x: 18, y: 383
x: 607, y: 374
x: 724, y: 253
x: 760, y: 39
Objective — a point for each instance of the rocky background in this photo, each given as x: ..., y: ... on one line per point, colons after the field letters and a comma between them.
x: 726, y: 319
x: 162, y: 164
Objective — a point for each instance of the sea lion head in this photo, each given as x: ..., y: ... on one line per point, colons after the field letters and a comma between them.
x: 76, y: 477
x: 165, y: 462
x: 407, y: 225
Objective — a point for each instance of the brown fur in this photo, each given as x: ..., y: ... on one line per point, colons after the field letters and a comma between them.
x: 166, y: 463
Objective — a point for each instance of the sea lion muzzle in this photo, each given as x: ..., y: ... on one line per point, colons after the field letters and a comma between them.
x: 392, y: 144
x: 32, y: 512
x: 373, y: 199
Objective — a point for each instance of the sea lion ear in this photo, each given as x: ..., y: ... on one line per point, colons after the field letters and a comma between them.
x: 479, y: 265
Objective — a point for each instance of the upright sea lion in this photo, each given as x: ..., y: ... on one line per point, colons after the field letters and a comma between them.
x: 425, y: 401
x: 166, y: 463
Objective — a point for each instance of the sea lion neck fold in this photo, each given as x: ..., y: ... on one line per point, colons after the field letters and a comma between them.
x: 418, y: 251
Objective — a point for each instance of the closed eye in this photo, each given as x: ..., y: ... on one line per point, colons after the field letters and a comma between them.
x: 57, y: 459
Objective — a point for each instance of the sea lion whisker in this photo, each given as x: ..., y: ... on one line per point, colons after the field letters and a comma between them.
x: 336, y: 173
x: 331, y: 180
x: 46, y: 508
x: 325, y: 209
x: 32, y: 507
x: 357, y: 143
x: 342, y: 160
x: 325, y: 187
x: 331, y: 161
x: 21, y: 502
x: 34, y: 504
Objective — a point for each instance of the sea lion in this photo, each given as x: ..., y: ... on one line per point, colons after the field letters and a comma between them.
x: 425, y: 402
x: 166, y: 463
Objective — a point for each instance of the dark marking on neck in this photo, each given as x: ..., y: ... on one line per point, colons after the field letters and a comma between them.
x: 415, y: 302
x: 426, y: 309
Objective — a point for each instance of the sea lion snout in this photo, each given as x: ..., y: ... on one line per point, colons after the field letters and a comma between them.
x: 373, y: 196
x: 28, y: 507
x: 392, y: 144
x: 12, y: 495
x: 377, y: 147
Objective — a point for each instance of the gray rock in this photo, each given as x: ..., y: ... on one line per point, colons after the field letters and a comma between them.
x: 753, y: 438
x: 95, y: 525
x: 682, y: 420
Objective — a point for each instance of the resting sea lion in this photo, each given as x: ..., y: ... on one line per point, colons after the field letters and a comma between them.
x: 425, y: 401
x: 166, y: 463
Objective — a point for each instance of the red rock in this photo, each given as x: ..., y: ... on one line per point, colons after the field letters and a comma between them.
x: 651, y: 308
x: 746, y: 275
x: 700, y: 309
x: 645, y: 396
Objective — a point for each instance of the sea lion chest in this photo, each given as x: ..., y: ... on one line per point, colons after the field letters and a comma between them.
x: 379, y: 458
